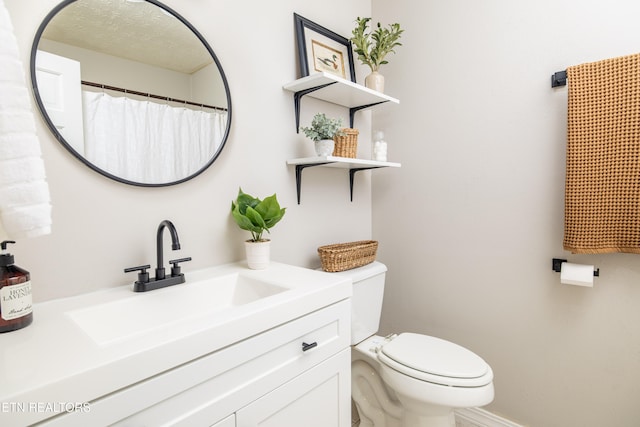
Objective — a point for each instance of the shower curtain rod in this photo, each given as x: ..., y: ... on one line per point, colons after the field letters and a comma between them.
x: 149, y: 95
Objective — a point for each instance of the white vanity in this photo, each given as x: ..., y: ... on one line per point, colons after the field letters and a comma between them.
x: 231, y: 347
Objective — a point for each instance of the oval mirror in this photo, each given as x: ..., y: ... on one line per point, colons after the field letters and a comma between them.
x: 131, y: 89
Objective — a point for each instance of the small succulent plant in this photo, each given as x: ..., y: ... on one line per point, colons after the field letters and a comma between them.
x: 323, y: 127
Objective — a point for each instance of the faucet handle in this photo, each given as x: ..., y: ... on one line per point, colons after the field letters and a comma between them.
x: 143, y: 276
x: 175, y: 268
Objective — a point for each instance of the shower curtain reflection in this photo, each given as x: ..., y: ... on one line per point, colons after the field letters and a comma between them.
x: 156, y: 143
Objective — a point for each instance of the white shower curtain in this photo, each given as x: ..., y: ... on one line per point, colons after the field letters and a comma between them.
x: 155, y: 143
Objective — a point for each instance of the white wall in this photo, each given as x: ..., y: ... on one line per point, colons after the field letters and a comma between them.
x: 115, y: 71
x: 204, y: 86
x: 468, y: 226
x: 204, y: 91
x: 101, y: 226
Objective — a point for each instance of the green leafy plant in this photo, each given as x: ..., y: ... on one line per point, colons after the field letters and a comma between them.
x: 323, y: 127
x: 255, y: 215
x: 373, y: 46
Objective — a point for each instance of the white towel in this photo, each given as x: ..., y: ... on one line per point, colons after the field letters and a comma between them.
x: 12, y: 71
x: 15, y: 121
x: 19, y: 145
x: 28, y: 220
x: 14, y: 172
x: 25, y: 194
x: 13, y: 97
x: 25, y: 208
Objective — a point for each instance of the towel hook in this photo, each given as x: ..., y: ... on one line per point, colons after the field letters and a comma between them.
x: 559, y: 79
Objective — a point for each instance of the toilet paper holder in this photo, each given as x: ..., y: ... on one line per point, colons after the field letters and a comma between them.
x: 557, y: 266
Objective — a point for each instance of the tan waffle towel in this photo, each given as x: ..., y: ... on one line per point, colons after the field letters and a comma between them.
x: 602, y: 191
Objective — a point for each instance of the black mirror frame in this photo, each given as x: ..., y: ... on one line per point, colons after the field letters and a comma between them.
x: 61, y: 139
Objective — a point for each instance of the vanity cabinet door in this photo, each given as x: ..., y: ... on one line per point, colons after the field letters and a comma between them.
x: 320, y: 397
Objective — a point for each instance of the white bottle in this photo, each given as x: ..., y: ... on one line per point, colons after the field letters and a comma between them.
x: 379, y: 147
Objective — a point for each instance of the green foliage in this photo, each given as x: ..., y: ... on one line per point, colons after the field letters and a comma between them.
x: 372, y: 47
x: 255, y: 215
x: 323, y: 127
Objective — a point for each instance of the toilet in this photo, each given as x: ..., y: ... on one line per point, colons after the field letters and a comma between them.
x: 407, y: 379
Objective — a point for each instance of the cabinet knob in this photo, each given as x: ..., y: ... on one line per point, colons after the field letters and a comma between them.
x: 306, y: 346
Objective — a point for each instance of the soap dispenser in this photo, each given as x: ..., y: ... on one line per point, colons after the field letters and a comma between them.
x: 16, y: 310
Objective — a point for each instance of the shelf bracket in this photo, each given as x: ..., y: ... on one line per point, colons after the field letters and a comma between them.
x: 354, y: 110
x: 352, y: 175
x: 299, y: 169
x: 297, y: 97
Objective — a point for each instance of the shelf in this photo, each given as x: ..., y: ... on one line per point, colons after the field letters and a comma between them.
x: 354, y: 165
x: 334, y: 89
x: 331, y: 88
x: 343, y: 92
x: 341, y: 162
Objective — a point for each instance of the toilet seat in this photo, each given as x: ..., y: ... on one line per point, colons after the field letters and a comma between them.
x: 435, y: 360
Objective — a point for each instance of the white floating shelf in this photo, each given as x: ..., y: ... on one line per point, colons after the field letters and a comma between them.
x: 330, y: 88
x: 341, y: 91
x: 354, y: 165
x: 341, y: 162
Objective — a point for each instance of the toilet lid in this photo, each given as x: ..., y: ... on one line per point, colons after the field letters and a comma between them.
x: 435, y: 360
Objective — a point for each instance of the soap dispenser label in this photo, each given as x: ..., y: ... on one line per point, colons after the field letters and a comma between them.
x: 15, y: 301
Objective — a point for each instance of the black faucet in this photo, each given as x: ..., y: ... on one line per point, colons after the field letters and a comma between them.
x: 175, y: 245
x: 143, y: 283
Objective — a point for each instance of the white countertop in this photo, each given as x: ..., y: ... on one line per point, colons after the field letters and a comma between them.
x: 54, y: 362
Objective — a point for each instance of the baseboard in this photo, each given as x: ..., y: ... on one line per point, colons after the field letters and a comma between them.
x: 476, y: 417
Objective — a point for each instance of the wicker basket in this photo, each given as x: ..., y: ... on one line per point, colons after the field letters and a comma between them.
x: 345, y: 256
x: 346, y: 145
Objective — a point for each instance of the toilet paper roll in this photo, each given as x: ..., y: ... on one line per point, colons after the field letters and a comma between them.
x: 576, y: 274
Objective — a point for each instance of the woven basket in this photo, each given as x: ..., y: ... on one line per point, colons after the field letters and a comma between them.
x: 345, y: 256
x: 346, y: 145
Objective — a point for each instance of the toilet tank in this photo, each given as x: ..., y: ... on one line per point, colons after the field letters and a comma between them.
x: 366, y: 301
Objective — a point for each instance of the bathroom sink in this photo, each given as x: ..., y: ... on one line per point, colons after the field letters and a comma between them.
x: 142, y: 312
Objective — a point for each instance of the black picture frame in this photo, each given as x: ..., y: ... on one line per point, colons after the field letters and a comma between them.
x: 316, y: 43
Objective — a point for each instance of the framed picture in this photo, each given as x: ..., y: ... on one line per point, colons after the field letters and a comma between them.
x: 320, y: 49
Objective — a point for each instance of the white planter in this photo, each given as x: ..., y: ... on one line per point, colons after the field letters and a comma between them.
x: 375, y: 81
x: 324, y: 147
x: 258, y: 254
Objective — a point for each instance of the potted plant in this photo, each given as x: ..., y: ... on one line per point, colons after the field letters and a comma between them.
x: 322, y: 131
x: 256, y: 216
x: 372, y: 46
